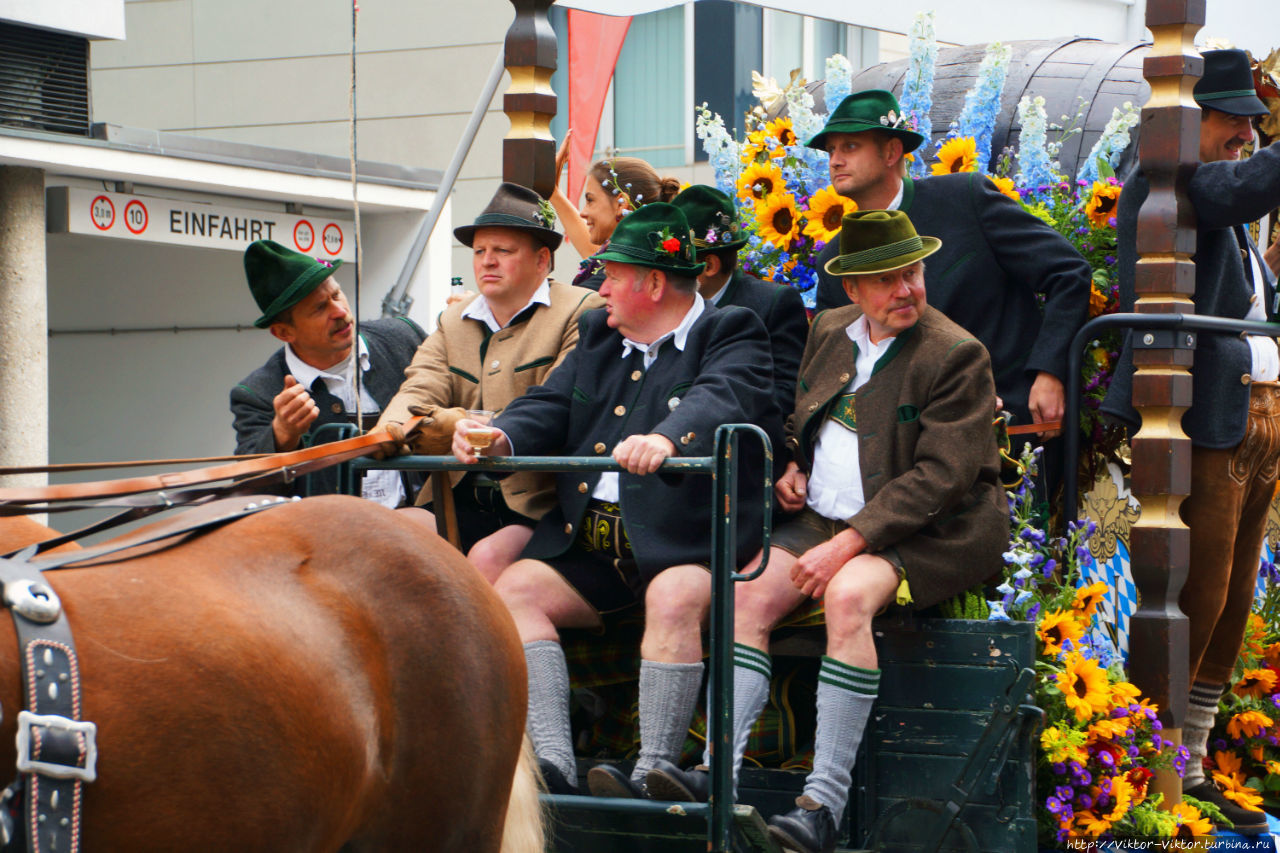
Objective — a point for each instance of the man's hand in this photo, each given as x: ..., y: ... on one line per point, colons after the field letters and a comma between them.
x: 643, y: 454
x: 464, y: 452
x: 1047, y: 402
x: 295, y: 412
x: 1272, y: 256
x: 791, y: 488
x: 815, y: 569
x: 562, y: 156
x: 395, y: 443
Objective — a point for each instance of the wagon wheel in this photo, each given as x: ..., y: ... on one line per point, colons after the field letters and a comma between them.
x: 945, y: 825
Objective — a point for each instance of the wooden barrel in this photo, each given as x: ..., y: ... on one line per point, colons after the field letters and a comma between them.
x: 1061, y: 70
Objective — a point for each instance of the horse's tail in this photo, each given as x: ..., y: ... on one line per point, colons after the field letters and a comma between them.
x: 525, y: 830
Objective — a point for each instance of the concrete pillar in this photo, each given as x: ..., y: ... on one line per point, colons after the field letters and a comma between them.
x: 24, y: 325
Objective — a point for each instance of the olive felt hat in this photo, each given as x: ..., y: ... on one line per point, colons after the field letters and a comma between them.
x: 1227, y: 84
x: 280, y: 278
x: 874, y: 241
x: 713, y: 219
x: 655, y: 236
x: 519, y: 208
x: 871, y: 109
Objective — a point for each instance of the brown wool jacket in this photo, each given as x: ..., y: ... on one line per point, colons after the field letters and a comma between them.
x: 930, y: 469
x: 462, y: 364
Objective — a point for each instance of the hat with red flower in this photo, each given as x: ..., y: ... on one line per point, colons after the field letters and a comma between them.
x: 656, y: 236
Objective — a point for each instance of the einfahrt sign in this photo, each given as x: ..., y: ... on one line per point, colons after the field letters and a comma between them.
x: 73, y: 210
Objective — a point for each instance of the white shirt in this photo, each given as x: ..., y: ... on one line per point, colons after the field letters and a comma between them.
x: 478, y: 308
x: 835, y: 483
x: 607, y: 488
x: 384, y: 487
x: 1266, y: 358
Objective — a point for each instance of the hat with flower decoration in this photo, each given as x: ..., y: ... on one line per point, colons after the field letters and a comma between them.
x: 280, y: 278
x: 656, y: 236
x: 517, y: 207
x: 1227, y: 84
x: 872, y: 109
x: 713, y: 219
x: 873, y: 241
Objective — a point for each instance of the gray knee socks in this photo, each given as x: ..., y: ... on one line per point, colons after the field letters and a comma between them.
x: 845, y: 696
x: 548, y: 722
x: 668, y: 695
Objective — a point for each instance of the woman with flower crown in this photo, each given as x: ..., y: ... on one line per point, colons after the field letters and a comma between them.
x: 614, y: 187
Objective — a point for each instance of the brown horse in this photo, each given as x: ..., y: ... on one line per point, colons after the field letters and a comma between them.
x: 320, y: 676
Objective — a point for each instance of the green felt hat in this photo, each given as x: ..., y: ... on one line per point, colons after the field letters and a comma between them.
x: 874, y: 241
x: 656, y: 236
x: 518, y: 208
x: 872, y: 109
x: 280, y: 278
x: 713, y: 219
x: 1227, y: 84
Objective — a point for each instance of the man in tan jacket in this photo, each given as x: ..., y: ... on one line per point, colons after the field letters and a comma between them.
x: 486, y: 351
x: 894, y: 472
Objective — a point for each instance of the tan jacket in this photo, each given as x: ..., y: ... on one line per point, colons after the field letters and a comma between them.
x: 447, y: 370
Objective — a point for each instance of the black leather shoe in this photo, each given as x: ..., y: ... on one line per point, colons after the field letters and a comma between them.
x: 1246, y: 822
x: 605, y: 780
x: 668, y: 782
x: 808, y: 828
x: 554, y: 779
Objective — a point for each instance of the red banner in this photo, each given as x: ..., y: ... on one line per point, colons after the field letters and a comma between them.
x: 594, y: 44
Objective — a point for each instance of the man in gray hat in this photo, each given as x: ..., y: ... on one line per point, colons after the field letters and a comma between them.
x: 894, y: 473
x: 1234, y: 419
x: 309, y: 383
x: 488, y: 349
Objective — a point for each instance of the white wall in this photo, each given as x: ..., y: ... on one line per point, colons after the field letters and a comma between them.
x: 90, y: 18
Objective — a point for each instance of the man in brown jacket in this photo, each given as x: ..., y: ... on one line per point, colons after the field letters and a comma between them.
x: 894, y: 474
x: 486, y: 351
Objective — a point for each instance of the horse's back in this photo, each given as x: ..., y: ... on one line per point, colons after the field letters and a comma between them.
x: 317, y: 674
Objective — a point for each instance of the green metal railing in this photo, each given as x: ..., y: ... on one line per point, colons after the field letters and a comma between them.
x: 722, y: 465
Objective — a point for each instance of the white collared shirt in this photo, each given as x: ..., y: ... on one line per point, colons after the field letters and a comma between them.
x: 835, y: 483
x: 478, y: 308
x: 1265, y: 357
x: 897, y: 199
x: 607, y: 488
x: 384, y: 487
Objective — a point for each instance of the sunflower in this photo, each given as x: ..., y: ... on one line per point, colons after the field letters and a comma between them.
x: 1122, y: 795
x: 1123, y: 693
x: 827, y: 209
x: 780, y: 133
x: 1256, y: 683
x: 1248, y: 724
x: 1271, y: 654
x: 1097, y: 302
x: 755, y: 145
x: 1229, y: 764
x: 1089, y: 824
x: 959, y: 154
x: 1089, y: 597
x: 1083, y: 685
x: 1238, y: 792
x: 1005, y: 185
x: 759, y: 181
x: 1191, y: 824
x: 1055, y: 628
x: 1109, y: 728
x: 778, y: 220
x: 1101, y: 208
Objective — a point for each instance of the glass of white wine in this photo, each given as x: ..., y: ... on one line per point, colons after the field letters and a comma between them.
x: 482, y: 436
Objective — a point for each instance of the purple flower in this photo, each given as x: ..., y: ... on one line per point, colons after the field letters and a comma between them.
x: 1219, y: 743
x: 1084, y: 801
x: 1108, y: 761
x: 1156, y: 725
x: 1053, y: 804
x: 1058, y: 768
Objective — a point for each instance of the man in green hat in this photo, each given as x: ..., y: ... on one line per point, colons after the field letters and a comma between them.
x: 894, y: 473
x: 717, y: 237
x: 309, y: 382
x: 1234, y: 418
x: 652, y: 377
x: 998, y: 263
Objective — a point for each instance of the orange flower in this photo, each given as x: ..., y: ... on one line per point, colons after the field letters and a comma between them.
x: 957, y: 155
x: 1101, y: 208
x: 1097, y: 302
x: 1005, y: 185
x: 1191, y: 824
x: 1089, y: 597
x: 1248, y: 724
x: 1229, y: 764
x: 1084, y: 686
x: 826, y: 211
x: 779, y: 131
x: 1122, y: 793
x: 759, y: 181
x: 1055, y: 628
x: 1238, y: 792
x: 1124, y: 694
x: 1089, y: 824
x: 1255, y: 632
x: 1271, y: 654
x: 1108, y: 728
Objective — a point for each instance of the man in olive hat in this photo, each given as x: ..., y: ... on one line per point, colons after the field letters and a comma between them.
x: 717, y: 237
x: 894, y: 472
x: 488, y: 349
x: 997, y: 260
x: 652, y: 377
x: 1234, y: 419
x: 309, y: 383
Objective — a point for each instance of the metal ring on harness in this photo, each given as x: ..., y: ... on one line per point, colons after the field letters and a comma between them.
x: 32, y: 599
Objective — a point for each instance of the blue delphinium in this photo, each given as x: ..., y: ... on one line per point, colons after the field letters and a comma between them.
x: 839, y: 77
x: 1111, y: 144
x: 1035, y: 172
x: 982, y: 102
x: 917, y: 88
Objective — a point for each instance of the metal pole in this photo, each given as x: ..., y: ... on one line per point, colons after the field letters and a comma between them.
x: 398, y: 300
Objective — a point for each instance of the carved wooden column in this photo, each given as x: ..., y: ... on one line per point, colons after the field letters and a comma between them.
x: 1164, y: 283
x: 529, y: 151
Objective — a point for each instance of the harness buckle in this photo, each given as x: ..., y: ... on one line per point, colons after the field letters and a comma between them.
x: 33, y: 600
x: 37, y: 727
